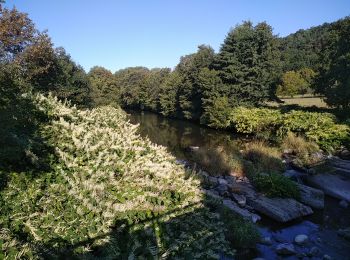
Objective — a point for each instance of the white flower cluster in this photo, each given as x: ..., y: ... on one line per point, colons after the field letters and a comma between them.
x: 106, y: 173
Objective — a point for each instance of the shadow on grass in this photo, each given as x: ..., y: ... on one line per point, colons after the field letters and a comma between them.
x: 22, y: 146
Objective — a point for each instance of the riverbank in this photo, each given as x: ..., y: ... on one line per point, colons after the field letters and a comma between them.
x: 176, y: 135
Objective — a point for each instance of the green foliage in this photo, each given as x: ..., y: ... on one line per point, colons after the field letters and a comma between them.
x: 217, y: 113
x: 318, y: 127
x: 105, y: 176
x: 248, y: 63
x: 242, y: 233
x: 321, y: 128
x: 262, y: 122
x: 334, y: 78
x: 276, y: 185
x: 296, y: 82
x: 265, y: 170
x: 104, y: 89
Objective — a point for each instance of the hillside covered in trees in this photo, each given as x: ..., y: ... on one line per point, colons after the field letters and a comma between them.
x: 76, y: 180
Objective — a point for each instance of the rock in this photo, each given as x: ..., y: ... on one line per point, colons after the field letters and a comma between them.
x: 314, y: 251
x: 222, y: 181
x: 326, y: 257
x: 285, y: 249
x: 311, y: 196
x: 212, y: 193
x: 344, y: 204
x: 222, y: 189
x: 242, y: 212
x: 266, y: 241
x: 344, y: 233
x: 212, y: 180
x: 279, y: 209
x: 230, y: 179
x: 345, y: 154
x: 332, y: 184
x: 240, y: 199
x: 301, y: 239
x: 294, y: 175
x: 279, y: 238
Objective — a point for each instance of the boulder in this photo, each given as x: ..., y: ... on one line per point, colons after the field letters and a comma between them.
x: 240, y: 199
x: 301, y: 239
x: 285, y: 249
x: 222, y: 181
x: 344, y: 204
x: 279, y: 209
x: 311, y: 196
x: 266, y: 241
x: 333, y: 185
x: 345, y: 233
x: 242, y: 212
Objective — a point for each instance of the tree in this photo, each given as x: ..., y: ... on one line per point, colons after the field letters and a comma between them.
x: 334, y: 76
x: 168, y: 97
x: 190, y: 96
x: 248, y: 63
x: 17, y: 32
x: 104, y: 89
x: 296, y: 82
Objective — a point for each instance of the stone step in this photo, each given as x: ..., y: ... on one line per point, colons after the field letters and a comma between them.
x: 279, y: 209
x: 311, y: 196
x: 333, y: 185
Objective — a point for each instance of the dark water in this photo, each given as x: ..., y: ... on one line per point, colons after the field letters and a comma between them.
x: 321, y: 227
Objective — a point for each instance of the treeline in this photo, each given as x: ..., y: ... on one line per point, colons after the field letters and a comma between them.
x: 252, y: 66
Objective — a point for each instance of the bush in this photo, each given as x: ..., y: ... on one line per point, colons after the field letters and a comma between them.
x: 276, y: 185
x: 265, y: 171
x: 268, y: 124
x: 242, y: 233
x: 108, y: 186
x: 257, y: 121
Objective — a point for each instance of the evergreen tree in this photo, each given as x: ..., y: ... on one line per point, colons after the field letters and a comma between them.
x: 248, y: 63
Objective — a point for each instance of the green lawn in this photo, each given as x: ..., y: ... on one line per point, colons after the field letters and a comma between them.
x: 304, y: 101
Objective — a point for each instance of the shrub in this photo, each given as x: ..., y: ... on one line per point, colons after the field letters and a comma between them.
x: 276, y: 185
x: 242, y: 233
x: 107, y: 186
x: 271, y: 124
x: 265, y: 171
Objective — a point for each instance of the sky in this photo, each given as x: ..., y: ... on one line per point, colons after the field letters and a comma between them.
x: 155, y: 33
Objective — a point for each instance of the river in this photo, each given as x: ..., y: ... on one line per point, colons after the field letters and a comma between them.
x: 321, y: 227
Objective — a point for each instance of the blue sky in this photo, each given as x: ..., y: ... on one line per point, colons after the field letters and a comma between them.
x: 156, y: 33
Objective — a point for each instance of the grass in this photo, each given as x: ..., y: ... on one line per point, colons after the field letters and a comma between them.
x: 303, y: 101
x: 303, y: 150
x: 219, y: 161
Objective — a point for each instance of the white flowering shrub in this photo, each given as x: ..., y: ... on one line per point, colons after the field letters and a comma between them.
x: 110, y: 194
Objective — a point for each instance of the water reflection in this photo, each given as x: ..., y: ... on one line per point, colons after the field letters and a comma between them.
x: 177, y: 135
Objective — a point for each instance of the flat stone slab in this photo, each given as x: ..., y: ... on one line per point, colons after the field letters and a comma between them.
x: 311, y: 196
x: 340, y: 163
x: 332, y: 184
x: 279, y: 209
